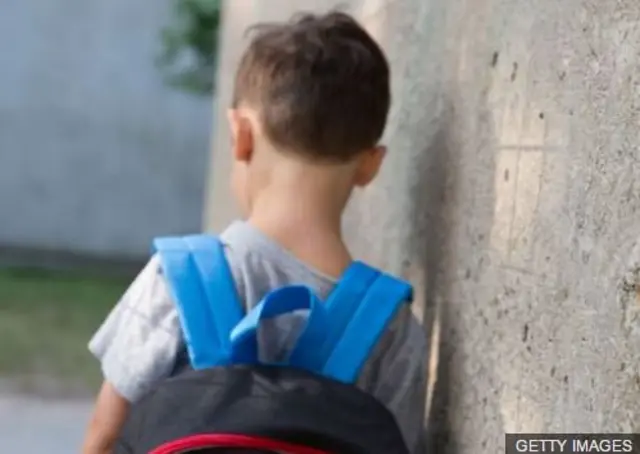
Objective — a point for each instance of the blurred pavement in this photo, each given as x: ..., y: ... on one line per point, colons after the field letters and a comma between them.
x: 31, y: 425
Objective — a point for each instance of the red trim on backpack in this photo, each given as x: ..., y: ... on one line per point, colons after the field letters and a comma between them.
x: 232, y: 441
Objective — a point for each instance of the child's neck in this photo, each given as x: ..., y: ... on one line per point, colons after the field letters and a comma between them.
x: 308, y: 227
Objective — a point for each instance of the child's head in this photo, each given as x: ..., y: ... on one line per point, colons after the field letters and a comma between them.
x: 311, y: 98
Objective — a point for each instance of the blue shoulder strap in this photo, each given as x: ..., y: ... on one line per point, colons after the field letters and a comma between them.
x: 203, y: 289
x: 285, y: 300
x: 360, y: 308
x: 336, y: 340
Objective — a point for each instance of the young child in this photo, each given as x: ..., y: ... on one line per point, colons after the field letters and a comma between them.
x: 310, y: 104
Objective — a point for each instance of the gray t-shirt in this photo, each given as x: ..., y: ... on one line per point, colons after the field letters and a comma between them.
x: 140, y: 341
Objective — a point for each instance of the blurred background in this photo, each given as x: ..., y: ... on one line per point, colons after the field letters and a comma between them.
x: 105, y: 126
x: 510, y: 196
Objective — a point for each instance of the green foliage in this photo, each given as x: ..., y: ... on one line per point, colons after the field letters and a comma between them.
x: 190, y: 44
x: 46, y: 320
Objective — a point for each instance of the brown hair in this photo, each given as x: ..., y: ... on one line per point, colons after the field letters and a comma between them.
x: 320, y: 84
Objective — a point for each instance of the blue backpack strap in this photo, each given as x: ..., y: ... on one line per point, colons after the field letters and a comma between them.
x: 285, y: 300
x: 203, y: 289
x: 362, y: 306
x: 342, y: 304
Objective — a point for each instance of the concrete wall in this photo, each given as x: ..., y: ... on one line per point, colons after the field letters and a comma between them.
x: 511, y: 199
x: 97, y: 155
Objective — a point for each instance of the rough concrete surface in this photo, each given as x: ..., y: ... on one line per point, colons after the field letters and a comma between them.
x: 33, y: 426
x: 511, y: 196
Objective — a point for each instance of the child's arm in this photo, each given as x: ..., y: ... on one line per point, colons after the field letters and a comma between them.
x: 106, y: 422
x: 402, y: 376
x: 137, y: 346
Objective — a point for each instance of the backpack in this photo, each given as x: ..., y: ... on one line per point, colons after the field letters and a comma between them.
x: 230, y: 402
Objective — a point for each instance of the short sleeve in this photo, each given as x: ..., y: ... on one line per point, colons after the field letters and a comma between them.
x: 138, y: 343
x: 397, y: 375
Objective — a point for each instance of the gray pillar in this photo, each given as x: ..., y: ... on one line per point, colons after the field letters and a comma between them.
x: 510, y: 197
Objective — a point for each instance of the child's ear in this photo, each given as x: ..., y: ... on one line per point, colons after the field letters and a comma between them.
x: 369, y: 165
x: 241, y: 135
